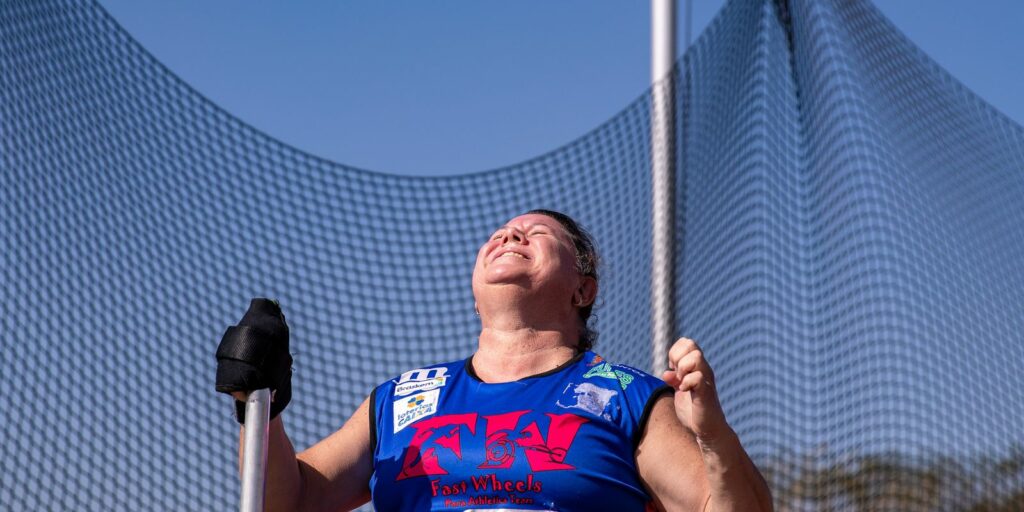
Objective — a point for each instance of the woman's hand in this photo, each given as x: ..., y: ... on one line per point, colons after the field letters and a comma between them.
x: 696, y: 398
x: 254, y: 355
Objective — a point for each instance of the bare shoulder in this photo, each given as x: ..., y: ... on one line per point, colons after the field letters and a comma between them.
x: 669, y: 461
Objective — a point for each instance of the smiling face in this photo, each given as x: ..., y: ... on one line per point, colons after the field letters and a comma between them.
x: 532, y: 252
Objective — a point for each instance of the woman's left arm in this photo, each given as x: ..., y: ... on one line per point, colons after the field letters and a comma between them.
x: 689, y: 456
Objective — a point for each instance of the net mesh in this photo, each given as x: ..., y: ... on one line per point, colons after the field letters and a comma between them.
x: 849, y: 228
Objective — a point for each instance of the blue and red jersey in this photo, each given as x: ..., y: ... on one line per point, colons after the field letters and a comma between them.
x: 562, y: 440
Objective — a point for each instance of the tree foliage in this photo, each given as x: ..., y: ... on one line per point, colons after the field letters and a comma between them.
x: 897, y: 482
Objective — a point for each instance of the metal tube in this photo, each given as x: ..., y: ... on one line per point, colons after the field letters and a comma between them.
x: 663, y: 157
x: 254, y: 452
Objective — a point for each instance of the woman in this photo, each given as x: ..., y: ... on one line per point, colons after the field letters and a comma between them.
x: 533, y: 420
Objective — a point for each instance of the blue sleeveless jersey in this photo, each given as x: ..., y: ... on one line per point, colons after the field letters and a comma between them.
x: 562, y: 440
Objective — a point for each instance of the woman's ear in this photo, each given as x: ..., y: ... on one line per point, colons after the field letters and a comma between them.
x: 585, y: 293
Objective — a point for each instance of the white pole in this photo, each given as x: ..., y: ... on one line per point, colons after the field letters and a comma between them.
x: 663, y: 57
x: 254, y: 451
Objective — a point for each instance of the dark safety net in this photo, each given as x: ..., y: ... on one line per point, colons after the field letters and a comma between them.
x: 849, y: 246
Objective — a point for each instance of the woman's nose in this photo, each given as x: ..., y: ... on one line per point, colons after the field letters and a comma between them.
x: 512, y: 235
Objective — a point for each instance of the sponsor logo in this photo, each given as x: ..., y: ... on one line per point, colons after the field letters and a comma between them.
x: 606, y: 371
x: 587, y: 397
x: 414, y: 386
x: 408, y: 410
x: 421, y: 374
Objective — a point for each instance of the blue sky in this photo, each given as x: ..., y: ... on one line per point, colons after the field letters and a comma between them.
x: 454, y: 86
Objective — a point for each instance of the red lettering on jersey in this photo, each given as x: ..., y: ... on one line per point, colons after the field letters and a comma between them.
x: 420, y: 461
x: 541, y: 454
x: 549, y: 455
x: 499, y: 449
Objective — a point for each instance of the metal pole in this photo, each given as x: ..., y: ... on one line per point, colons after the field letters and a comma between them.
x: 663, y: 57
x: 689, y: 25
x: 254, y: 453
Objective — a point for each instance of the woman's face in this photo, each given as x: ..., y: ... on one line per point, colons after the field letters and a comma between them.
x: 531, y: 251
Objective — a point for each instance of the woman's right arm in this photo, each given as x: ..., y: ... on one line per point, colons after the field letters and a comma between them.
x: 332, y: 475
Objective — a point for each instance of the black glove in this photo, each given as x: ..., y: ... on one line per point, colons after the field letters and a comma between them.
x: 254, y: 355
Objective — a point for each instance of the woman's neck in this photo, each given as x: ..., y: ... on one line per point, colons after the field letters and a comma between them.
x: 506, y: 355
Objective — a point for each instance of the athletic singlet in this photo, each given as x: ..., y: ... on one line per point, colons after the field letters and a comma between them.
x: 562, y: 440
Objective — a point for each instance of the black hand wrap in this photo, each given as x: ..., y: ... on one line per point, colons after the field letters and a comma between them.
x: 254, y: 355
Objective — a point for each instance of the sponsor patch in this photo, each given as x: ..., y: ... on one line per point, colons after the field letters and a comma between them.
x: 407, y: 410
x: 414, y: 386
x: 606, y: 371
x: 587, y: 397
x: 421, y: 374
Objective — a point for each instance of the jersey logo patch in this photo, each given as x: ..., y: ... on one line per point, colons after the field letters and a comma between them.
x: 605, y: 370
x: 414, y: 386
x: 587, y: 397
x: 420, y: 374
x: 407, y: 410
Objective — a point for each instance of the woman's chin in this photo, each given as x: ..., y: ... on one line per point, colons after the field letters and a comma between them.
x: 509, y: 276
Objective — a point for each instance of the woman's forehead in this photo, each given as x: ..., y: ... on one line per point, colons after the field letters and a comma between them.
x: 532, y: 219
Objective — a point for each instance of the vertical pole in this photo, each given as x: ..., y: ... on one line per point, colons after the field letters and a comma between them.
x: 663, y: 57
x: 254, y: 451
x: 689, y: 26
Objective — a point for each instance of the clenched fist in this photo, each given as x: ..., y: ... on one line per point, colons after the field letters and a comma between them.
x: 254, y: 355
x: 696, y: 398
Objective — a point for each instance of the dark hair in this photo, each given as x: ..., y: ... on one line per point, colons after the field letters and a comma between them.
x: 587, y: 261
